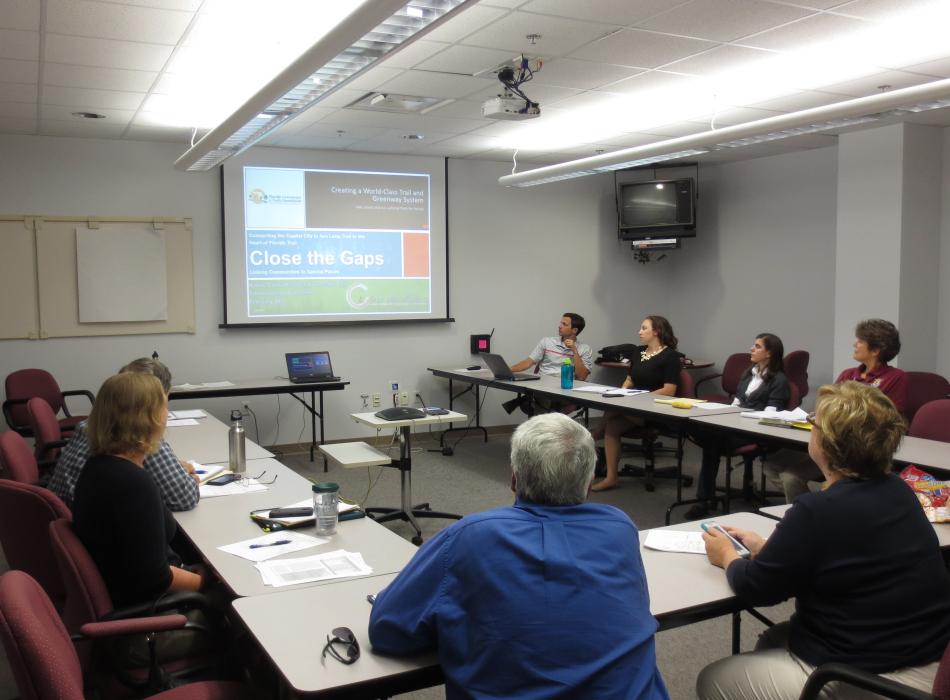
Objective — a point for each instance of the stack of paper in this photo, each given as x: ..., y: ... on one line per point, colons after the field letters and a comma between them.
x: 795, y: 415
x: 320, y: 567
x: 270, y: 546
x: 675, y: 541
x: 235, y: 488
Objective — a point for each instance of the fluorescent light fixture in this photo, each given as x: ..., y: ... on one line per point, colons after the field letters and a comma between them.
x: 840, y: 115
x: 373, y: 30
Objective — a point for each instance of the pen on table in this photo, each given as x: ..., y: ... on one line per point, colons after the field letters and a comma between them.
x: 269, y: 544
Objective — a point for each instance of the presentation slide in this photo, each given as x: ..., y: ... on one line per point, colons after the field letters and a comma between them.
x: 335, y: 243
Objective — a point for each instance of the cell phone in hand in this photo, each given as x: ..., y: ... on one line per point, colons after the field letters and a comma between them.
x: 740, y: 548
x: 224, y: 479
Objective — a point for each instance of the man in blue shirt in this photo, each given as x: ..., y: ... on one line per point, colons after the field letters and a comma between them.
x: 543, y: 599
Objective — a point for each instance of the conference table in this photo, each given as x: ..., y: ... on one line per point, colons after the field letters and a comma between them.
x: 207, y: 442
x: 263, y: 387
x: 684, y: 588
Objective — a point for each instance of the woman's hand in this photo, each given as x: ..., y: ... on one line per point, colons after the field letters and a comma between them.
x: 752, y: 540
x: 719, y: 549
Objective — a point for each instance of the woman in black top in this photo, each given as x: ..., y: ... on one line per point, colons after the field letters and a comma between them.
x: 118, y: 511
x: 763, y: 387
x: 859, y: 557
x: 656, y: 368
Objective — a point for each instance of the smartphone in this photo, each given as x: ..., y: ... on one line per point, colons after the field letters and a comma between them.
x: 223, y: 479
x: 291, y: 512
x: 740, y: 548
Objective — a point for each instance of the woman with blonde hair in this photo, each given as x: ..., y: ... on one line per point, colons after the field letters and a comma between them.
x: 859, y: 557
x: 118, y: 511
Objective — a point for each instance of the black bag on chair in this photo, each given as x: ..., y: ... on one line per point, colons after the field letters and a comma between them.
x: 618, y: 353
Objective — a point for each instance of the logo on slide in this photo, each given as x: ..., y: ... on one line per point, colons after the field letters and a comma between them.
x: 357, y: 296
x: 258, y: 196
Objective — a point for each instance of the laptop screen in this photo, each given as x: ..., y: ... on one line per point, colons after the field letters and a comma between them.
x: 308, y: 365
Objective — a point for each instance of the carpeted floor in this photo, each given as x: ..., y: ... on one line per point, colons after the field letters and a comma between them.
x: 476, y: 478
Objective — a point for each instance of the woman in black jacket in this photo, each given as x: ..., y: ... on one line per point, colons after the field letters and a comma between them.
x: 763, y: 387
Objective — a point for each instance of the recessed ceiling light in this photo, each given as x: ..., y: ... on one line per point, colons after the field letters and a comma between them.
x: 414, y: 137
x: 88, y: 115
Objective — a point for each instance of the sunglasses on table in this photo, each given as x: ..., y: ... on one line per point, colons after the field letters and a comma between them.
x: 812, y: 418
x: 342, y: 645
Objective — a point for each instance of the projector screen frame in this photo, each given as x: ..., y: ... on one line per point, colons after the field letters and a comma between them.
x: 448, y: 318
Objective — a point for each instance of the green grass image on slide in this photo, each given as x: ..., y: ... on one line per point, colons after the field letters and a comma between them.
x: 300, y: 297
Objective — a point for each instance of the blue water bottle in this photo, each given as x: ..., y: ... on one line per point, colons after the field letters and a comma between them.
x: 567, y: 374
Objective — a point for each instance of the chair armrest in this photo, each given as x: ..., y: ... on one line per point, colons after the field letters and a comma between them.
x: 705, y: 379
x: 8, y: 415
x: 77, y: 392
x: 826, y: 673
x: 138, y: 625
x: 179, y: 600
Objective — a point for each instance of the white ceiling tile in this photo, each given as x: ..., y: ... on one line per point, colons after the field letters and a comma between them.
x: 469, y: 20
x: 18, y: 71
x: 625, y: 12
x: 344, y: 132
x: 506, y: 4
x: 559, y: 36
x: 94, y: 78
x: 126, y: 55
x: 392, y: 141
x: 20, y: 14
x: 870, y: 85
x: 633, y: 47
x: 435, y: 123
x: 461, y: 109
x: 584, y: 75
x: 186, y: 5
x: 302, y: 140
x: 17, y: 125
x: 19, y: 44
x: 343, y: 118
x: 17, y: 110
x: 616, y: 143
x: 878, y: 10
x: 341, y: 98
x: 806, y: 99
x: 816, y: 29
x: 939, y: 68
x: 816, y: 4
x: 723, y: 20
x: 309, y: 116
x: 373, y: 78
x: 64, y: 114
x: 733, y: 116
x: 87, y: 128
x: 158, y: 133
x: 587, y: 100
x: 722, y: 59
x: 428, y: 84
x: 107, y: 99
x: 669, y: 131
x: 413, y: 53
x: 18, y: 92
x: 114, y: 21
x: 466, y: 59
x: 651, y: 81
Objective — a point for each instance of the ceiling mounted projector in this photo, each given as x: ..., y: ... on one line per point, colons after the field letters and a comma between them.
x: 511, y: 108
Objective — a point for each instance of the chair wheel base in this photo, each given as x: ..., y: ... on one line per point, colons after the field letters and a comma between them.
x: 417, y: 540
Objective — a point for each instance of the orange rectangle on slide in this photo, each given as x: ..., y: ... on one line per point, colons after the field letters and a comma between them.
x: 415, y: 254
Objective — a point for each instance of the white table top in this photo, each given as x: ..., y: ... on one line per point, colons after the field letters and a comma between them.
x: 240, y: 387
x: 372, y: 421
x: 207, y: 442
x: 292, y: 628
x: 688, y: 582
x: 226, y: 520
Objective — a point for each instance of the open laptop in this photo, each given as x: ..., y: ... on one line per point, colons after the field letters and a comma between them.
x: 310, y: 367
x: 501, y: 370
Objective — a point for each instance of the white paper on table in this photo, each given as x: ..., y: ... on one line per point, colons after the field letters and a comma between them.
x: 297, y: 541
x: 466, y: 369
x: 795, y: 416
x: 235, y: 488
x: 189, y: 413
x: 711, y: 404
x: 320, y: 567
x: 216, y: 385
x: 615, y: 391
x: 206, y: 471
x: 180, y: 422
x: 675, y: 541
x: 595, y: 388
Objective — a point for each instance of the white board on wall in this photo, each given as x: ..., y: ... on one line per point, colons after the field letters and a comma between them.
x: 121, y: 273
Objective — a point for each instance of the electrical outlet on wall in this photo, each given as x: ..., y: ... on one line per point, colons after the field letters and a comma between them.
x: 377, y: 399
x: 404, y: 398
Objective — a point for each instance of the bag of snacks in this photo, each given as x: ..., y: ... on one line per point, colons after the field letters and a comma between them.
x: 932, y: 494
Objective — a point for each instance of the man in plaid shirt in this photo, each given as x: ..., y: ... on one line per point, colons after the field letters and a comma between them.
x: 176, y: 479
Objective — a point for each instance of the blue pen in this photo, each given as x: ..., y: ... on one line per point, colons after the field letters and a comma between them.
x: 269, y: 544
x: 201, y: 471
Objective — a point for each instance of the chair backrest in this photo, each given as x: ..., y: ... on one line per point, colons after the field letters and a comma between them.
x: 39, y: 650
x: 794, y: 398
x: 17, y: 459
x: 941, y: 687
x: 26, y: 511
x: 732, y: 371
x: 27, y: 383
x: 923, y: 387
x: 796, y: 369
x: 687, y: 386
x: 932, y: 421
x: 87, y: 598
x: 46, y: 430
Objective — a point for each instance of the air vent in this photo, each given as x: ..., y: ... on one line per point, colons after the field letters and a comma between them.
x: 400, y: 104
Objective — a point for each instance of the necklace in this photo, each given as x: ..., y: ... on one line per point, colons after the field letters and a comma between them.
x: 646, y: 355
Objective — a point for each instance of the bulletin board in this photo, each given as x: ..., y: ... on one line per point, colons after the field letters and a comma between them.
x: 40, y: 272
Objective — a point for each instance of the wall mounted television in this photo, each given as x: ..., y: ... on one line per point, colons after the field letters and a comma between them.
x: 666, y: 208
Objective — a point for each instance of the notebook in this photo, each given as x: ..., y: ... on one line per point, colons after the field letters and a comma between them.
x: 501, y: 370
x: 310, y: 367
